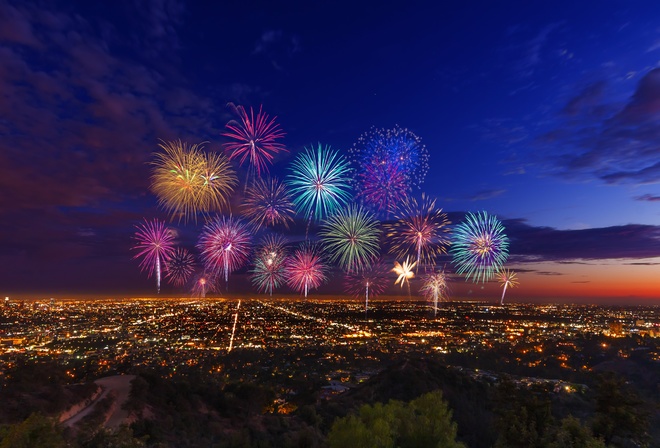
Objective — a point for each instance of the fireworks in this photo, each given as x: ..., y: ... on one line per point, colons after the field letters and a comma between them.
x: 267, y: 202
x: 434, y: 287
x: 390, y: 162
x: 155, y: 244
x: 305, y: 269
x: 188, y: 181
x: 179, y: 267
x: 225, y: 245
x: 204, y: 282
x: 319, y: 182
x: 351, y: 238
x: 370, y: 282
x: 405, y: 272
x: 420, y: 228
x: 254, y: 139
x: 480, y: 246
x: 507, y: 278
x: 269, y: 267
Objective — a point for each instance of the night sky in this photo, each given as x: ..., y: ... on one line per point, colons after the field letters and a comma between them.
x: 546, y: 114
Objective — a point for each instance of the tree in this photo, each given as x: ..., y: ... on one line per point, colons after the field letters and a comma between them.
x: 425, y: 421
x: 572, y: 434
x: 37, y: 431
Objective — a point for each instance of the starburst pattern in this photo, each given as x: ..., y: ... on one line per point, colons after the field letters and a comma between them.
x: 225, y: 245
x: 155, y: 245
x: 507, y: 278
x: 419, y: 229
x: 188, y: 181
x: 370, y: 282
x: 319, y: 182
x: 268, y: 203
x: 254, y: 139
x: 434, y: 288
x: 269, y: 270
x: 405, y: 272
x: 480, y: 247
x: 351, y: 237
x: 305, y: 269
x: 390, y: 162
x: 179, y: 267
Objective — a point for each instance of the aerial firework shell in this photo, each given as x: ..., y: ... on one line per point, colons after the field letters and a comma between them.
x: 254, y: 139
x: 267, y: 202
x: 188, y: 181
x: 351, y: 238
x: 479, y: 247
x: 269, y: 270
x: 179, y: 267
x: 375, y: 277
x: 390, y: 162
x: 155, y: 245
x: 419, y: 229
x: 225, y: 245
x: 306, y: 269
x: 319, y: 182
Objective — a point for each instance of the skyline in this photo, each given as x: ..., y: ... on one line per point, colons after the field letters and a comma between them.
x: 544, y: 116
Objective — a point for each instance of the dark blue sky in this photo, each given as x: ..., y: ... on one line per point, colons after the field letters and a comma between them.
x: 544, y: 113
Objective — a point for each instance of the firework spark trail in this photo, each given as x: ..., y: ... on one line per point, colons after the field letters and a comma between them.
x: 351, y: 238
x: 507, y: 278
x: 419, y: 227
x: 480, y: 247
x: 254, y: 139
x: 305, y: 269
x: 370, y: 282
x: 389, y: 162
x: 155, y: 244
x: 267, y: 202
x: 434, y: 286
x: 405, y: 273
x: 225, y: 245
x: 319, y: 182
x: 188, y: 181
x: 233, y: 330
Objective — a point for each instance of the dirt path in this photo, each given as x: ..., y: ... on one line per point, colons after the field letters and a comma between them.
x: 120, y: 387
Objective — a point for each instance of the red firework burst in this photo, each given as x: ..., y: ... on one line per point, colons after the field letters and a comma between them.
x: 305, y: 269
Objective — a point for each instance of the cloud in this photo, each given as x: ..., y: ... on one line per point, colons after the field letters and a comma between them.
x: 484, y: 195
x: 549, y: 273
x: 277, y: 46
x: 578, y: 246
x: 648, y: 198
x: 597, y: 138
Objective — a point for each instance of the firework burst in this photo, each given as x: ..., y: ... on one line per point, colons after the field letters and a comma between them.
x: 179, y: 267
x: 351, y: 238
x: 225, y: 245
x: 268, y: 203
x: 371, y: 282
x: 405, y: 272
x: 390, y: 162
x: 319, y: 182
x: 155, y: 245
x: 305, y: 269
x: 270, y: 264
x: 434, y: 288
x: 254, y: 140
x: 204, y: 282
x: 418, y: 228
x: 188, y: 181
x: 507, y: 278
x: 480, y: 247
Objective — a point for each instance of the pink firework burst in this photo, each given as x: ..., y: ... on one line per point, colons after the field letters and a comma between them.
x: 179, y: 267
x: 155, y: 245
x: 225, y: 245
x: 306, y: 269
x: 254, y: 139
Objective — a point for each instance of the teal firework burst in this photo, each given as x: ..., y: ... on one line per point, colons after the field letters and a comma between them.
x: 351, y: 238
x: 480, y: 247
x: 319, y: 182
x: 269, y: 265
